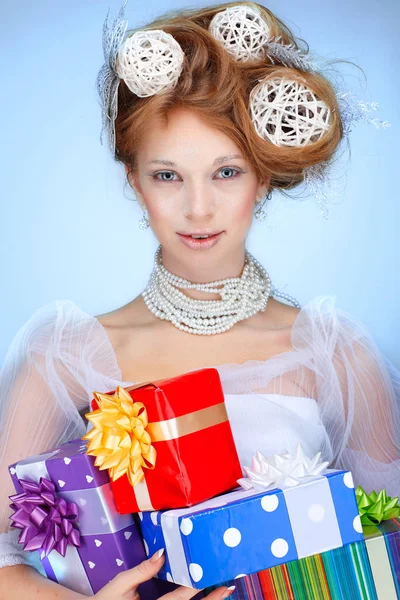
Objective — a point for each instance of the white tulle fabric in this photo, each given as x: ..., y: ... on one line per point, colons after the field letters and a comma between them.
x: 334, y: 392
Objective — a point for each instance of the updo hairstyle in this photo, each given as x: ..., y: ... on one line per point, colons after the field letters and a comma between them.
x: 218, y: 87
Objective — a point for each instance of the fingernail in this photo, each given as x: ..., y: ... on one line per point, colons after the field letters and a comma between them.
x: 228, y: 591
x: 157, y: 555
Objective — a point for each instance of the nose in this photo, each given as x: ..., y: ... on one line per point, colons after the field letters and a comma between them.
x: 199, y: 202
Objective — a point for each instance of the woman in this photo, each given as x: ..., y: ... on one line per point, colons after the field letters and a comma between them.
x: 189, y: 108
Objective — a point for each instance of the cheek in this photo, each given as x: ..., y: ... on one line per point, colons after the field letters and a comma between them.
x: 162, y: 205
x: 244, y: 205
x: 242, y: 197
x: 247, y: 205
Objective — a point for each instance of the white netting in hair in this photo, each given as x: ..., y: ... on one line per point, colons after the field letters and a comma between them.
x: 287, y: 113
x: 150, y: 61
x: 242, y: 31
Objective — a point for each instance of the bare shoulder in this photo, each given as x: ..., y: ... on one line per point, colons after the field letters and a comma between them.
x: 123, y: 321
x: 149, y: 348
x: 135, y: 314
x: 277, y: 319
x: 132, y: 314
x: 282, y: 314
x: 273, y: 327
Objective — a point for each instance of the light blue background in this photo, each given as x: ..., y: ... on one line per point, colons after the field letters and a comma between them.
x: 68, y: 230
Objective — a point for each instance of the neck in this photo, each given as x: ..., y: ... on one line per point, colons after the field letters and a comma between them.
x: 243, y: 296
x: 204, y: 271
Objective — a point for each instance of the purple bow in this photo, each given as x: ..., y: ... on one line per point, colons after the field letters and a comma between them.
x: 47, y: 522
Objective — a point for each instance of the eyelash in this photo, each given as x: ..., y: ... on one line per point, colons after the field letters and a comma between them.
x: 155, y: 176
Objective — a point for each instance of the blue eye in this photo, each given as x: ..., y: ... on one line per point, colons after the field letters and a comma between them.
x: 164, y: 176
x: 171, y: 176
x: 229, y: 173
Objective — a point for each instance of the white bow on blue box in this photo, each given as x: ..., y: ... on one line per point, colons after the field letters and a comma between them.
x: 246, y: 531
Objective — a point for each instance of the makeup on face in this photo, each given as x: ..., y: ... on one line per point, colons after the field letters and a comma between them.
x: 199, y: 190
x: 200, y: 241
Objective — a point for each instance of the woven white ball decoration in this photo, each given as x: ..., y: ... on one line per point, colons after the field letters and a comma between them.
x: 242, y: 31
x: 150, y: 62
x: 287, y: 113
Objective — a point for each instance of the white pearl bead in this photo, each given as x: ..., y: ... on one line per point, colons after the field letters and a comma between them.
x: 241, y: 298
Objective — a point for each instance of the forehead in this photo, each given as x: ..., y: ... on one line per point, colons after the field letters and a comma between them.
x: 184, y: 136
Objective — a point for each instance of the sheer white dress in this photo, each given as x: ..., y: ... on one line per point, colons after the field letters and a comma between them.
x: 333, y: 391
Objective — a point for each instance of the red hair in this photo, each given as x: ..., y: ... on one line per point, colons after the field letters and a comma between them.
x: 218, y: 87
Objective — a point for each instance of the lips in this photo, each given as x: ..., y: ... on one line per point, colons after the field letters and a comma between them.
x: 200, y: 233
x: 200, y: 243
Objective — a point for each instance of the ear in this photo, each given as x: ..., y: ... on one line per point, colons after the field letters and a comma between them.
x: 263, y: 189
x: 134, y: 183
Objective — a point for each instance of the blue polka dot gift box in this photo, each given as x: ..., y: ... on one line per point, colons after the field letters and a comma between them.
x: 71, y: 529
x: 246, y: 531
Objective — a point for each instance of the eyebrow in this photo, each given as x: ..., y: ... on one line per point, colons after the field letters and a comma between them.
x: 217, y: 161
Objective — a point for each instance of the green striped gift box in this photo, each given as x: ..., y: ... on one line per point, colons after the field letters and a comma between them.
x: 368, y: 570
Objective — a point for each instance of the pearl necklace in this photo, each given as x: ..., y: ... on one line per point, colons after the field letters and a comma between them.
x: 241, y: 298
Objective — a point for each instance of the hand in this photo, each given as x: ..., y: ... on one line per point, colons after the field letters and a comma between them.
x: 124, y: 585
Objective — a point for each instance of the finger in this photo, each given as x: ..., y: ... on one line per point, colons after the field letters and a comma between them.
x: 185, y: 593
x: 221, y: 593
x: 128, y: 581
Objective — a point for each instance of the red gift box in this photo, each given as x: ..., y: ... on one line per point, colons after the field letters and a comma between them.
x: 196, y: 457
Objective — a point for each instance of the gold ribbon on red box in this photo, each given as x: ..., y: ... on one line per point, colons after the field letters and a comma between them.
x: 121, y: 438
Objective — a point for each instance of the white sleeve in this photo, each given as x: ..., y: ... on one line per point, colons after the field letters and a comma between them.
x: 12, y: 553
x: 55, y: 362
x: 358, y: 392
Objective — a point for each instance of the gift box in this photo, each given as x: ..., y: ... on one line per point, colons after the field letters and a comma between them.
x: 247, y: 531
x: 383, y: 547
x: 182, y: 435
x: 340, y: 574
x: 365, y: 570
x: 108, y: 542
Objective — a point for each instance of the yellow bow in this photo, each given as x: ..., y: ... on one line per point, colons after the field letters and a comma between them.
x: 119, y: 439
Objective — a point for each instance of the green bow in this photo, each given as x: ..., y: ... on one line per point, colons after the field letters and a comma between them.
x: 375, y: 508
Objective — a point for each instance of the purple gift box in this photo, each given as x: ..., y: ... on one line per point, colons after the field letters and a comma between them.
x: 109, y: 542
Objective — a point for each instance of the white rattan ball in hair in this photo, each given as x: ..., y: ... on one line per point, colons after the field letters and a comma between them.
x: 287, y: 113
x: 242, y: 31
x: 150, y: 61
